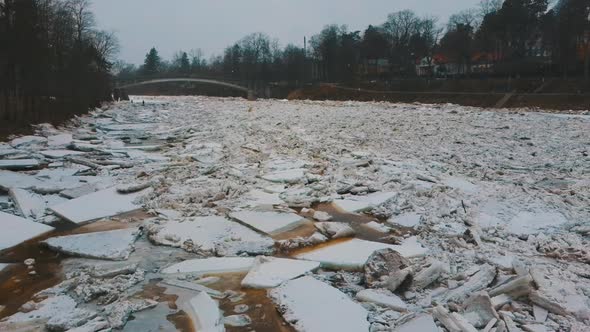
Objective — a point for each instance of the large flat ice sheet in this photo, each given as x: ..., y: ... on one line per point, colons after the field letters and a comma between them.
x: 353, y: 254
x: 313, y: 306
x: 101, y: 204
x: 16, y: 230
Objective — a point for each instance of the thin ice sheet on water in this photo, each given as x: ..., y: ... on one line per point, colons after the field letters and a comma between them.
x: 312, y: 306
x: 101, y: 204
x: 353, y: 254
x: 269, y: 272
x: 16, y: 230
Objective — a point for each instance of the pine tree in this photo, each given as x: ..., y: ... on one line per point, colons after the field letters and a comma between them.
x: 185, y: 65
x: 152, y: 63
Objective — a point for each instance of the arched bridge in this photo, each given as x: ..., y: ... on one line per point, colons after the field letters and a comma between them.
x: 126, y: 85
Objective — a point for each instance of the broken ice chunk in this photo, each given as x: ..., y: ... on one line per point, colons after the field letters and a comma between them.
x: 312, y: 306
x: 364, y: 203
x: 383, y: 298
x: 30, y: 205
x: 110, y: 245
x: 16, y: 230
x: 19, y: 164
x: 207, y: 316
x: 406, y: 220
x: 353, y: 254
x: 55, y: 154
x: 212, y: 265
x: 290, y: 176
x: 269, y: 222
x: 101, y: 204
x: 213, y: 236
x: 422, y: 323
x: 269, y: 272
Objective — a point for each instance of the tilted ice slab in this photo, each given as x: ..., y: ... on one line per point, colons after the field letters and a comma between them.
x: 382, y: 298
x: 101, y: 204
x: 363, y: 203
x: 55, y: 154
x: 111, y: 245
x: 269, y: 222
x: 422, y: 323
x: 353, y: 254
x: 286, y: 176
x: 26, y: 141
x: 206, y: 314
x: 270, y: 272
x: 10, y: 179
x: 16, y: 164
x: 212, y: 265
x: 30, y: 205
x: 259, y: 197
x: 312, y: 306
x: 57, y: 311
x: 214, y: 235
x: 16, y: 230
x: 524, y: 222
x: 461, y: 184
x: 406, y: 220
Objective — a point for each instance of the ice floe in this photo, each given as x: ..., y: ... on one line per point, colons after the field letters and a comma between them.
x: 354, y: 253
x: 312, y: 306
x: 101, y: 204
x: 111, y: 245
x: 212, y: 265
x: 16, y: 230
x: 212, y: 236
x: 269, y: 272
x: 269, y: 222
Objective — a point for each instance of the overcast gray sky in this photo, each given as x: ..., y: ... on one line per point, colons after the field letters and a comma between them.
x: 211, y: 25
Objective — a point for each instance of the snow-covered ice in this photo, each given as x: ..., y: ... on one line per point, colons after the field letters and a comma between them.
x: 496, y: 200
x: 382, y: 298
x: 363, y: 203
x: 310, y: 305
x: 19, y: 164
x: 101, y: 204
x: 269, y: 272
x: 212, y: 235
x: 353, y: 254
x: 111, y: 245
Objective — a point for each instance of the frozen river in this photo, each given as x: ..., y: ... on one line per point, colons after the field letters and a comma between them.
x: 212, y: 214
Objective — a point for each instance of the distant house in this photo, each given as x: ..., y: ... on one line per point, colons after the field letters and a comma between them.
x: 439, y: 66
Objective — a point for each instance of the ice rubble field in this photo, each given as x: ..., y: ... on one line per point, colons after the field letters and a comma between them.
x: 479, y: 219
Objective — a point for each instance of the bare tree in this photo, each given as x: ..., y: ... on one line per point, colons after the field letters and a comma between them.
x: 83, y: 17
x: 105, y: 43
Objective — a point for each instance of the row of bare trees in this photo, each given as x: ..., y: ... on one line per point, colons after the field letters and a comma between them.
x: 510, y: 37
x: 52, y: 48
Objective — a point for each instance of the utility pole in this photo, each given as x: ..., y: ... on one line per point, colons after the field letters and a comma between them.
x: 304, y: 60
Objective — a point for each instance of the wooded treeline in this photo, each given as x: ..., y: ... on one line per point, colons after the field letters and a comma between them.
x: 511, y: 38
x: 51, y: 50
